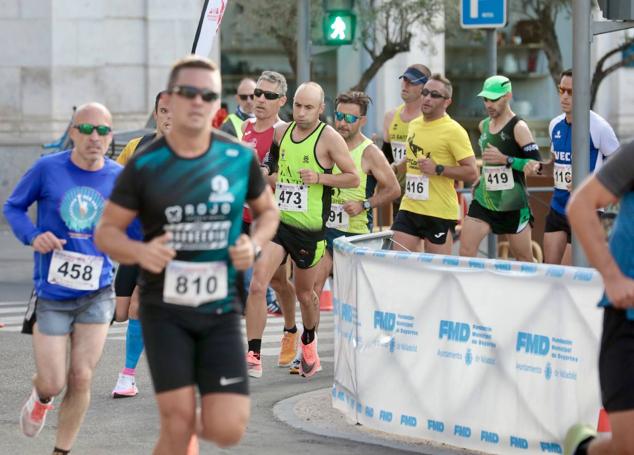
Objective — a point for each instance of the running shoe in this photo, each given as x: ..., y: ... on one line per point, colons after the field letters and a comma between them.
x: 126, y: 387
x: 294, y: 368
x: 254, y: 365
x: 288, y: 350
x: 33, y: 415
x: 576, y: 435
x: 273, y: 309
x: 310, y: 364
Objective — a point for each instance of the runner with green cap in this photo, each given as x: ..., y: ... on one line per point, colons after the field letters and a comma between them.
x: 500, y: 200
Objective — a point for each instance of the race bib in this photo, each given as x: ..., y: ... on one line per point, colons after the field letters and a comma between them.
x: 195, y: 283
x: 338, y: 218
x: 563, y: 176
x: 498, y: 178
x: 292, y: 197
x: 417, y: 187
x: 75, y: 270
x: 399, y: 150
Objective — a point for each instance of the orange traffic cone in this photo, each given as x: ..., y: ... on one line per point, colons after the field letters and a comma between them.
x: 603, y: 424
x: 325, y: 299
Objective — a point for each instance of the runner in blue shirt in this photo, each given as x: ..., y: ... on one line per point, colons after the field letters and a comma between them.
x: 614, y: 182
x: 72, y: 277
x: 603, y: 143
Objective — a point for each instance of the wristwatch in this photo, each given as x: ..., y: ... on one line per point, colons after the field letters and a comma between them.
x: 509, y: 161
x: 440, y: 169
x: 367, y: 205
x: 257, y: 251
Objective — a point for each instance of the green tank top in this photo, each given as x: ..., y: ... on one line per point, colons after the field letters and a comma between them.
x: 304, y: 206
x: 501, y: 189
x: 339, y: 219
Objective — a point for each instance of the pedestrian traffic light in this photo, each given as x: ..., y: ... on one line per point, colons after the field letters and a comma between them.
x: 339, y: 27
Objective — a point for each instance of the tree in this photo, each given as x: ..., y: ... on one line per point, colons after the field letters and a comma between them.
x: 278, y: 20
x: 544, y: 13
x: 601, y: 71
x: 386, y: 29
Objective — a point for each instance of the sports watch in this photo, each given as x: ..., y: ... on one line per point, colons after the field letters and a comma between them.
x: 509, y: 161
x: 257, y: 252
x: 367, y: 205
x: 440, y: 169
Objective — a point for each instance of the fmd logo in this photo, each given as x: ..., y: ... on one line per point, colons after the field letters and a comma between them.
x: 384, y: 321
x: 454, y: 331
x: 531, y: 343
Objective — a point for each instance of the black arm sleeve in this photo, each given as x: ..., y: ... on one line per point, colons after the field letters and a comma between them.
x: 617, y: 174
x: 256, y: 180
x: 387, y: 151
x: 531, y: 151
x: 271, y: 158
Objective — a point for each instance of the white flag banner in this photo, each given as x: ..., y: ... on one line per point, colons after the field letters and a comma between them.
x: 483, y: 354
x: 208, y: 26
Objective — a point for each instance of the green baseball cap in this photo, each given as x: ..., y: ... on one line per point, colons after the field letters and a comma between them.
x: 495, y: 87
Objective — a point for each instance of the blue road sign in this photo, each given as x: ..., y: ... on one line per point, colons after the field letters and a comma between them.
x: 483, y: 13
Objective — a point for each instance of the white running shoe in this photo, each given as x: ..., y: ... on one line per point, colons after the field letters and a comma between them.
x: 126, y: 387
x: 33, y: 415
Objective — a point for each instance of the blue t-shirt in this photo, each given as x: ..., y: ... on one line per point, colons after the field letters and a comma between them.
x: 70, y: 201
x: 603, y: 143
x: 618, y: 177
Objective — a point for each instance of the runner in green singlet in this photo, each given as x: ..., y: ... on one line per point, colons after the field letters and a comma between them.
x: 509, y: 152
x: 308, y: 150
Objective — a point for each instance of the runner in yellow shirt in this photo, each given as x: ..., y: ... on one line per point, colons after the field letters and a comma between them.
x: 438, y: 153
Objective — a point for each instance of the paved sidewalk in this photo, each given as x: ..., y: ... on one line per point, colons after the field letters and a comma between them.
x: 313, y: 412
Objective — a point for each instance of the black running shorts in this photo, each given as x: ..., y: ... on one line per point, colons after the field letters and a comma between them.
x: 427, y: 227
x: 185, y: 347
x: 305, y: 247
x: 125, y: 280
x: 616, y: 361
x: 556, y: 222
x: 507, y: 222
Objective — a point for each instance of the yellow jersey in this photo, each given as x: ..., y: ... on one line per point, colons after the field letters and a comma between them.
x: 445, y: 142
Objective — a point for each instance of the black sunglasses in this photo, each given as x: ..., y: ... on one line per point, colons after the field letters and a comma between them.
x: 189, y: 92
x: 433, y: 94
x: 245, y: 97
x: 268, y: 95
x: 87, y: 129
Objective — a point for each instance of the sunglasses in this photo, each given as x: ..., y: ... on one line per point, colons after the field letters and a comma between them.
x: 433, y: 93
x: 189, y: 92
x: 87, y: 129
x: 348, y: 118
x: 493, y: 100
x: 565, y: 90
x: 268, y: 95
x: 245, y: 97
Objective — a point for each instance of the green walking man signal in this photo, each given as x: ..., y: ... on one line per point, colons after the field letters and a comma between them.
x: 339, y: 27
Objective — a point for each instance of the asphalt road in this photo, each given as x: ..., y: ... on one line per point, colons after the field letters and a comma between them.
x: 289, y: 414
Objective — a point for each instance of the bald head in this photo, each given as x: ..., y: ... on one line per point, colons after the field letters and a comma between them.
x: 91, y: 110
x: 311, y: 90
x: 308, y: 105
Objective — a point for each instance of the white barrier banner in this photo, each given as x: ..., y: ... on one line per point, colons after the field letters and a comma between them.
x: 208, y: 26
x: 483, y: 354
